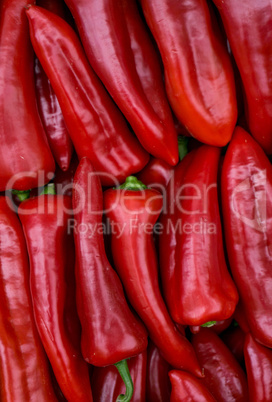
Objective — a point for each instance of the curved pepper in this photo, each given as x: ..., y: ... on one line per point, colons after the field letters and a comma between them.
x: 110, y: 331
x: 196, y: 283
x: 185, y: 387
x: 258, y: 360
x: 45, y: 222
x: 96, y: 126
x: 119, y: 49
x: 198, y: 73
x: 107, y: 384
x: 248, y: 28
x: 247, y: 211
x: 24, y: 370
x: 48, y: 104
x: 157, y: 381
x: 26, y: 160
x: 133, y: 210
x: 223, y: 375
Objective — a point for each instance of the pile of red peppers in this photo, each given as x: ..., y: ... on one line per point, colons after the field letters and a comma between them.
x: 136, y: 200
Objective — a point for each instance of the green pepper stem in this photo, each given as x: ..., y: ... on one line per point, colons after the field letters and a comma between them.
x: 182, y: 146
x: 123, y: 369
x: 209, y: 324
x: 21, y: 195
x: 49, y: 189
x: 132, y: 183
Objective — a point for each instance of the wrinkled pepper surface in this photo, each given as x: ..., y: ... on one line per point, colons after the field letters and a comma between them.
x: 48, y: 104
x: 223, y: 375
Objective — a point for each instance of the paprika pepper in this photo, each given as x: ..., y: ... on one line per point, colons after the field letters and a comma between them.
x: 96, y: 126
x: 246, y: 187
x: 24, y: 368
x: 196, y: 283
x: 223, y: 376
x: 26, y: 160
x: 198, y: 72
x: 120, y: 51
x: 111, y: 333
x: 133, y: 210
x: 186, y: 387
x: 48, y: 104
x: 258, y: 360
x: 248, y: 28
x: 45, y: 224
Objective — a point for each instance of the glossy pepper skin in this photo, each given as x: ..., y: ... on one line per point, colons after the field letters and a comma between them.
x: 246, y: 187
x: 24, y: 369
x: 223, y: 375
x: 186, y: 387
x: 24, y: 148
x: 198, y: 73
x: 107, y: 383
x: 120, y: 51
x: 258, y: 360
x: 110, y: 331
x: 96, y: 126
x: 248, y: 28
x: 133, y: 211
x: 196, y: 283
x: 48, y: 104
x: 157, y: 380
x: 45, y: 224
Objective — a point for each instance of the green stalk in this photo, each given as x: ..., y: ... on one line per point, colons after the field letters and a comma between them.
x: 123, y: 369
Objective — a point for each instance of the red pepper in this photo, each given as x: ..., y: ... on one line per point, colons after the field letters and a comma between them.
x: 247, y: 210
x: 24, y: 371
x: 157, y: 381
x: 26, y: 160
x: 133, y: 210
x: 196, y: 283
x: 185, y: 387
x: 119, y: 49
x: 234, y: 338
x: 248, y: 28
x: 45, y: 222
x: 223, y: 375
x: 110, y: 331
x: 198, y: 73
x: 96, y: 126
x: 48, y: 104
x: 107, y: 384
x: 258, y: 361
